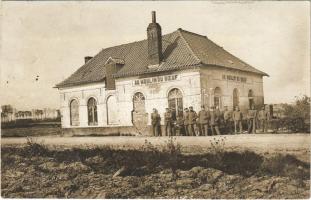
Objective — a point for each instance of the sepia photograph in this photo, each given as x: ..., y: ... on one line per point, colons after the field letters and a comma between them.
x: 155, y: 99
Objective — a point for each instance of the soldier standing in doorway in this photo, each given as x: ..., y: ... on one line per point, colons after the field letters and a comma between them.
x: 214, y: 121
x: 252, y: 117
x: 186, y: 121
x: 155, y: 121
x: 228, y: 120
x: 263, y: 117
x: 168, y: 122
x: 237, y: 118
x: 203, y: 121
x: 192, y: 121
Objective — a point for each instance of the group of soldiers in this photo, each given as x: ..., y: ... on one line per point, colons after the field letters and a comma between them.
x: 208, y: 121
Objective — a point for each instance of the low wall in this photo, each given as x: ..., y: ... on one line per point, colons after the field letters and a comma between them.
x: 105, y: 131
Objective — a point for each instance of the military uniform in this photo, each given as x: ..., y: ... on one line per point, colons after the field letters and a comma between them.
x: 252, y: 117
x: 214, y: 121
x: 228, y: 121
x: 186, y: 122
x: 237, y: 118
x: 155, y: 122
x: 263, y: 117
x: 192, y: 121
x: 168, y: 123
x: 179, y: 126
x: 203, y: 122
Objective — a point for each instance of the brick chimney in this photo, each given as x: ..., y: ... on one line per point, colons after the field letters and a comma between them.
x: 87, y: 59
x: 154, y: 35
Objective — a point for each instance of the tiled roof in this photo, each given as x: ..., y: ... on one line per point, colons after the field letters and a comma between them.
x: 115, y: 60
x: 181, y: 50
x: 211, y: 54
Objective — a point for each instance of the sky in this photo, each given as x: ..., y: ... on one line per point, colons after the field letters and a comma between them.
x: 48, y: 41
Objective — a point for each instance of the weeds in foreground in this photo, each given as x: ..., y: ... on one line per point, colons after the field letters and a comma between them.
x: 33, y: 147
x: 218, y: 148
x: 153, y: 159
x: 172, y: 149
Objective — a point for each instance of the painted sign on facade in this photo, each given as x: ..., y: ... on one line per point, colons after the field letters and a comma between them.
x: 234, y: 78
x: 158, y: 79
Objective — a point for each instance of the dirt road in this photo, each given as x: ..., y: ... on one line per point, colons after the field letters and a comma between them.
x: 258, y: 142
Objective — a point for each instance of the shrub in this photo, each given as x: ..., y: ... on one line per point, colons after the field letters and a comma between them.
x: 33, y: 148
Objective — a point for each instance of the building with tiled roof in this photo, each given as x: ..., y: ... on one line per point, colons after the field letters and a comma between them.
x: 117, y: 89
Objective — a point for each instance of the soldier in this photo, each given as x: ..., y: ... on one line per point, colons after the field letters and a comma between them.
x: 263, y: 117
x: 186, y: 121
x: 209, y: 119
x: 168, y: 122
x: 155, y: 121
x: 214, y: 120
x: 179, y: 126
x: 237, y: 118
x: 203, y: 121
x: 192, y: 121
x: 228, y: 120
x: 252, y: 117
x: 219, y: 116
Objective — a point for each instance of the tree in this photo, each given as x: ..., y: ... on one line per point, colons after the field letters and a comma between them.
x: 297, y: 115
x: 39, y: 113
x: 7, y: 111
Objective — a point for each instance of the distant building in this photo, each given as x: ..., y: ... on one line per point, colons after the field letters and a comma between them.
x: 116, y: 89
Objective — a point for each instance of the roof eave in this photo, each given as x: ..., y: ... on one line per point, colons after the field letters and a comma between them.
x: 259, y: 72
x: 60, y: 86
x: 155, y: 72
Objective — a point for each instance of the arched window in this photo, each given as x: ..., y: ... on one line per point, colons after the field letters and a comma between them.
x: 112, y: 110
x: 217, y: 97
x: 251, y: 98
x: 235, y: 98
x: 175, y: 102
x: 74, y: 113
x: 139, y: 102
x: 92, y: 111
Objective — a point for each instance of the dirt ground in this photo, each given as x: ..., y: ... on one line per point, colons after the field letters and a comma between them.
x: 235, y: 166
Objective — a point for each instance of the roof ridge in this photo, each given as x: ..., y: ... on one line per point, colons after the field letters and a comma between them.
x: 119, y: 45
x: 180, y: 29
x: 192, y: 52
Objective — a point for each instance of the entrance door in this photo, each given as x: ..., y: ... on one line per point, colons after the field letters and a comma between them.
x: 139, y: 115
